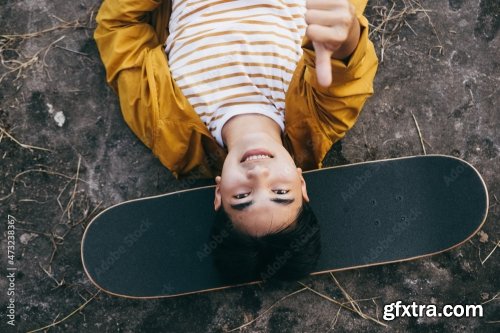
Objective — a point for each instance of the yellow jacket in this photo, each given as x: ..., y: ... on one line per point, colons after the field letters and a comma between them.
x: 130, y: 36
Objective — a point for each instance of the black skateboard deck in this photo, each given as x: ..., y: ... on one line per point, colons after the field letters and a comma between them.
x: 370, y: 213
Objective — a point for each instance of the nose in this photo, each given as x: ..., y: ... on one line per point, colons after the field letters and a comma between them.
x: 258, y: 172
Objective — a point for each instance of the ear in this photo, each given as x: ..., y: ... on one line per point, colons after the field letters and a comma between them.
x: 218, y: 198
x: 303, y: 185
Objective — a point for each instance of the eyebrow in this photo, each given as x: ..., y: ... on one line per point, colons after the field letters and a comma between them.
x: 245, y: 205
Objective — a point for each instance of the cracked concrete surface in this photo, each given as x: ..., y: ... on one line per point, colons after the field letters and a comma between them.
x: 444, y: 71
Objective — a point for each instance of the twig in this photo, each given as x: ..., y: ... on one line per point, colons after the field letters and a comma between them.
x: 54, y: 249
x: 73, y: 51
x: 353, y: 302
x: 22, y: 145
x: 47, y: 49
x: 376, y: 308
x: 389, y: 21
x: 440, y: 46
x: 491, y: 299
x: 489, y: 255
x: 342, y: 304
x: 61, y: 192
x: 69, y: 206
x: 52, y: 277
x: 86, y: 216
x: 66, y: 25
x: 267, y: 310
x: 366, y: 142
x: 354, y: 305
x: 336, y: 319
x: 419, y: 133
x: 35, y: 170
x: 23, y: 65
x: 72, y: 313
x: 7, y: 41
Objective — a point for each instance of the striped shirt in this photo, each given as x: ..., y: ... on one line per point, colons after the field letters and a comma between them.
x: 232, y: 57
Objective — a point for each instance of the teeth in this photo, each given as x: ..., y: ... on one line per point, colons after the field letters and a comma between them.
x: 256, y: 157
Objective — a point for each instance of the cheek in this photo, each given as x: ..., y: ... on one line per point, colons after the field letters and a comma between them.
x: 288, y: 171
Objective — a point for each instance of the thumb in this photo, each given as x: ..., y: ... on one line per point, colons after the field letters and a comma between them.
x: 323, y: 65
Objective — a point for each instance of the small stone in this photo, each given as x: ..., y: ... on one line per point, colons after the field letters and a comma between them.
x: 27, y: 237
x: 59, y: 118
x: 483, y: 237
x: 50, y: 108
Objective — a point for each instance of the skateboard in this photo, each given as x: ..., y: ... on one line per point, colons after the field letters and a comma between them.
x: 370, y: 213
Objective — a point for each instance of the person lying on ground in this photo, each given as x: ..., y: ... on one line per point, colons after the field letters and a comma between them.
x: 251, y: 92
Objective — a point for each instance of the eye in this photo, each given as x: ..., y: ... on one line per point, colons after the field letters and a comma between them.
x: 281, y: 191
x: 241, y: 196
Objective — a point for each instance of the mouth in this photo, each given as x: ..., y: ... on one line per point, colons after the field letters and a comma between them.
x: 256, y: 154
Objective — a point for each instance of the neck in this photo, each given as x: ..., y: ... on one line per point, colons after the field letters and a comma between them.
x: 249, y: 127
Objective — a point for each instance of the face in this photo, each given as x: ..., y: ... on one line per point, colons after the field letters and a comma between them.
x: 260, y: 188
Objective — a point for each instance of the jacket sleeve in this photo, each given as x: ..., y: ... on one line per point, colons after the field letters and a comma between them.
x: 130, y: 36
x: 125, y: 41
x: 333, y: 109
x: 123, y: 35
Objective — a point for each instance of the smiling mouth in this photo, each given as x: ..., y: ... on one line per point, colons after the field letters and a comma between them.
x: 256, y: 154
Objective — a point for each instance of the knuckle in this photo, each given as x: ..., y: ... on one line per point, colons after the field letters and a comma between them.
x: 346, y: 19
x: 308, y: 16
x: 312, y: 32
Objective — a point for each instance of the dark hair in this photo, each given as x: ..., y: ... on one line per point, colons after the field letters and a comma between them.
x: 288, y: 254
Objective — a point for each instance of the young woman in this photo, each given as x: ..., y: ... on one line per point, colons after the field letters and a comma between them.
x: 251, y: 92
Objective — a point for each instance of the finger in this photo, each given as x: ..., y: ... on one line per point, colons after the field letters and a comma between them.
x: 325, y: 4
x: 333, y: 36
x: 323, y: 65
x: 328, y: 18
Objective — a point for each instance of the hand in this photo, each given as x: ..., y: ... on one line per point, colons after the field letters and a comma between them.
x: 334, y: 30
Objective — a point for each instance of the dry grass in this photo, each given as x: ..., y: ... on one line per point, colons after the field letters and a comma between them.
x: 419, y: 133
x: 39, y: 170
x: 68, y: 215
x: 15, y: 62
x: 57, y: 322
x: 489, y: 255
x: 22, y: 145
x: 390, y: 17
x: 265, y: 311
x: 350, y: 304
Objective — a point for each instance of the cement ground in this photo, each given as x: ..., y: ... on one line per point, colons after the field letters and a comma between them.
x: 440, y: 65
